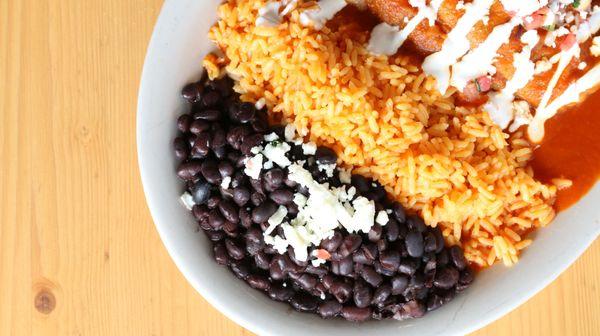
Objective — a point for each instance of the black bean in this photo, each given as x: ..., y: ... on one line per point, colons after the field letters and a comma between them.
x: 292, y: 209
x: 220, y: 153
x: 304, y: 303
x: 282, y: 196
x: 325, y: 156
x: 361, y: 183
x: 236, y: 135
x: 434, y: 302
x: 382, y: 293
x: 245, y: 217
x: 191, y: 92
x: 416, y: 223
x: 241, y: 196
x: 234, y: 250
x: 258, y: 198
x: 240, y: 270
x: 274, y: 178
x: 280, y: 293
x: 328, y: 280
x: 375, y: 233
x: 332, y: 244
x: 307, y: 281
x: 382, y: 245
x: 210, y: 171
x: 466, y: 277
x: 259, y: 282
x: 350, y: 244
x: 399, y: 284
x: 360, y: 258
x: 229, y: 211
x: 249, y: 142
x: 371, y: 276
x: 215, y: 220
x: 260, y: 125
x: 346, y: 266
x: 200, y: 211
x: 208, y: 114
x: 329, y: 309
x: 277, y: 269
x: 356, y: 314
x: 390, y: 259
x: 223, y: 85
x: 399, y: 212
x: 213, y: 202
x: 370, y: 251
x: 430, y: 242
x: 362, y: 294
x: 391, y: 230
x: 263, y: 212
x: 225, y: 168
x: 381, y: 270
x: 211, y: 99
x: 215, y: 236
x: 439, y: 238
x: 231, y: 229
x: 219, y: 139
x: 414, y: 244
x: 319, y: 271
x: 342, y: 291
x: 254, y: 235
x: 458, y: 258
x: 201, y: 192
x: 198, y: 126
x: 257, y: 185
x: 411, y: 309
x: 188, y: 170
x: 183, y: 123
x: 201, y: 146
x: 182, y: 148
x: 239, y: 180
x: 446, y: 277
x: 246, y: 112
x: 408, y: 267
x: 220, y: 254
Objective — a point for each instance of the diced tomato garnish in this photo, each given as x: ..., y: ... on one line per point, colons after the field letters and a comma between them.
x: 567, y: 42
x: 483, y: 83
x: 323, y: 254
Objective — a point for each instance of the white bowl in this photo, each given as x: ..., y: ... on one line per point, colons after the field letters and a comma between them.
x: 174, y: 58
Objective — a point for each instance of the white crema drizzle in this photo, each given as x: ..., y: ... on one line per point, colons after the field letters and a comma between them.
x: 456, y: 43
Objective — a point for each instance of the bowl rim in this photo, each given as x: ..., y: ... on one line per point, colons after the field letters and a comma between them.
x: 253, y: 326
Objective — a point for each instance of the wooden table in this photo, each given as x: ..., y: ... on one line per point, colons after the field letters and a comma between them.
x: 79, y: 254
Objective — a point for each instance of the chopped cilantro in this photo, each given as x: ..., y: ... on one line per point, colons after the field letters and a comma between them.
x: 576, y: 3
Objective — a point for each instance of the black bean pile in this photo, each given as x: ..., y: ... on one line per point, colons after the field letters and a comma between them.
x: 400, y: 270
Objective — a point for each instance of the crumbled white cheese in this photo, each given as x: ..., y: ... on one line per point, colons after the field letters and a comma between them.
x: 323, y: 211
x: 276, y: 219
x: 328, y: 169
x: 460, y: 5
x: 253, y: 166
x: 309, y: 148
x: 268, y: 164
x: 271, y: 137
x: 345, y: 175
x: 226, y: 181
x: 582, y: 65
x: 522, y: 115
x: 382, y: 218
x: 275, y: 151
x: 187, y: 200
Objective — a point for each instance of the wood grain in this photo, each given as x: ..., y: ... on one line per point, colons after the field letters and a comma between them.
x: 79, y: 254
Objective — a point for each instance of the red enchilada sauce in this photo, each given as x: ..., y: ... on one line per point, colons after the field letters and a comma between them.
x: 571, y: 149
